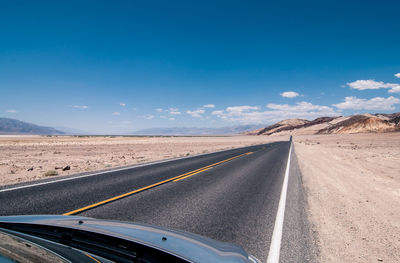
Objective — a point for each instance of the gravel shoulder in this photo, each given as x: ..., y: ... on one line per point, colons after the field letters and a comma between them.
x: 353, y: 190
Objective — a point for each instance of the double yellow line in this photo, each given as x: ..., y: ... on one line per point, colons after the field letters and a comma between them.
x: 175, y: 179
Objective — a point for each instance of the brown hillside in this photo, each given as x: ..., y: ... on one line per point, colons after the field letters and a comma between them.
x: 284, y: 125
x: 359, y: 124
x: 364, y: 123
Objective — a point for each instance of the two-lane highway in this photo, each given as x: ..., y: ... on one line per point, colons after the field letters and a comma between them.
x: 231, y: 196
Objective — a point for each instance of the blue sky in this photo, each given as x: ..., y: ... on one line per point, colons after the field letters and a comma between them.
x: 120, y: 66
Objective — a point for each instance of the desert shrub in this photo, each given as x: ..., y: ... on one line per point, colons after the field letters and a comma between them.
x: 51, y: 173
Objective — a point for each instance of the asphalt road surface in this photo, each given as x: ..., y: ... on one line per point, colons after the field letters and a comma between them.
x: 230, y: 196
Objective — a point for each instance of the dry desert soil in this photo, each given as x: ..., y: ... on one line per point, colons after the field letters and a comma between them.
x: 27, y: 158
x: 352, y: 181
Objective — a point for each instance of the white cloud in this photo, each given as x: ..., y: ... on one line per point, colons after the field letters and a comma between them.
x: 209, y: 106
x: 116, y: 113
x: 239, y: 109
x: 218, y: 112
x: 171, y: 119
x: 290, y: 94
x: 195, y: 113
x: 275, y: 112
x: 11, y: 111
x: 84, y: 107
x: 366, y: 84
x: 122, y: 104
x: 299, y: 107
x: 148, y: 117
x: 377, y: 103
x: 397, y: 75
x: 372, y: 84
x: 174, y: 111
x: 235, y: 111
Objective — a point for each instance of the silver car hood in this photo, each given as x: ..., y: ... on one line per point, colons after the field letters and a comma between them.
x: 191, y: 247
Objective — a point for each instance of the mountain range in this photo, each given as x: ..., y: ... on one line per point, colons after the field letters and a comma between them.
x: 360, y: 123
x: 12, y: 126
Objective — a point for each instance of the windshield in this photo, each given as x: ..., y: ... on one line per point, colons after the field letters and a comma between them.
x: 15, y: 249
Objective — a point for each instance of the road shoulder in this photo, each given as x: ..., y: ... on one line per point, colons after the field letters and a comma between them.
x: 352, y: 184
x: 298, y: 244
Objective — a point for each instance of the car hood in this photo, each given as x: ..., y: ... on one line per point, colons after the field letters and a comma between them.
x: 189, y: 246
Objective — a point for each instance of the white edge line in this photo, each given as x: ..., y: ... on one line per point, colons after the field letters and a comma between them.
x: 119, y: 169
x: 275, y: 247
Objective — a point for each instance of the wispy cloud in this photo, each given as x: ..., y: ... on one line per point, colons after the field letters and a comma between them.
x: 148, y: 117
x: 122, y: 104
x: 377, y: 103
x: 397, y: 75
x: 372, y: 84
x: 172, y: 111
x: 209, y: 106
x: 218, y: 112
x: 171, y: 119
x: 116, y: 113
x: 235, y: 110
x: 290, y: 94
x: 275, y: 112
x: 196, y: 113
x: 300, y: 106
x: 11, y: 111
x: 83, y: 107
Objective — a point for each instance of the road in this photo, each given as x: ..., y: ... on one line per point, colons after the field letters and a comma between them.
x: 231, y: 196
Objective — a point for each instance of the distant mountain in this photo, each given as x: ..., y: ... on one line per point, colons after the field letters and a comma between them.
x: 196, y: 131
x: 12, y: 126
x: 71, y: 131
x: 362, y: 123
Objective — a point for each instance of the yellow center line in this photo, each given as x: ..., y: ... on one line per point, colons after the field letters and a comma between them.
x: 176, y: 178
x: 94, y: 259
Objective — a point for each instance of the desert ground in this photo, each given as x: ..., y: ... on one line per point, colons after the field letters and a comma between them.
x: 352, y: 181
x: 27, y: 158
x: 353, y: 187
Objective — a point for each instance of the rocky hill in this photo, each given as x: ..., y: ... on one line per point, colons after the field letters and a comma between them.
x: 363, y: 123
x: 12, y: 126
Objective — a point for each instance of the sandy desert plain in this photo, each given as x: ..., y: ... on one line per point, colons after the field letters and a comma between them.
x: 352, y: 181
